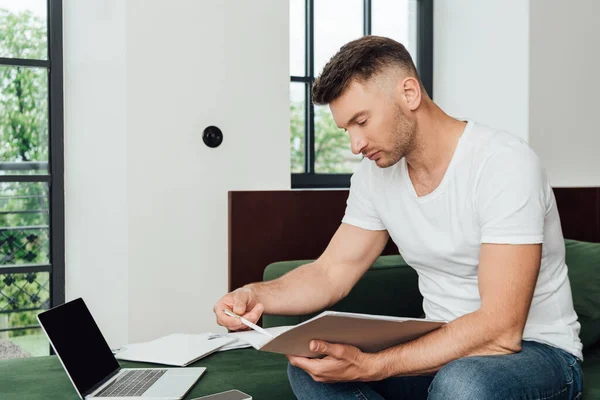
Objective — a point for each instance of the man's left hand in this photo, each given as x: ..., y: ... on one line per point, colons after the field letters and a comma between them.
x: 342, y: 363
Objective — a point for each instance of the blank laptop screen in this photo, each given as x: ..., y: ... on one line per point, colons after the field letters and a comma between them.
x: 79, y: 343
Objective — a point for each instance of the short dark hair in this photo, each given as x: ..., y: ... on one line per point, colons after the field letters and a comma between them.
x: 360, y: 59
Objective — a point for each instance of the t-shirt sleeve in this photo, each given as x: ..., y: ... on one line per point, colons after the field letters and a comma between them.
x: 360, y: 211
x: 511, y: 197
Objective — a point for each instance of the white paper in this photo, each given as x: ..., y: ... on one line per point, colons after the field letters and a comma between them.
x: 178, y: 349
x: 257, y: 339
x: 236, y: 344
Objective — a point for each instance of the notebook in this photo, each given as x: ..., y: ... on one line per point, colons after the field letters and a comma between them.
x: 179, y: 349
x: 370, y: 333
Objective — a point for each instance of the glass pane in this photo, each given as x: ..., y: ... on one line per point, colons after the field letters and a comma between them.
x: 24, y: 233
x: 297, y: 39
x: 337, y: 22
x: 297, y: 131
x: 23, y: 29
x: 332, y: 145
x: 396, y: 19
x: 22, y: 297
x: 23, y: 120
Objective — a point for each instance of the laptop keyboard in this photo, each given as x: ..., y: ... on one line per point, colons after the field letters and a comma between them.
x: 132, y: 383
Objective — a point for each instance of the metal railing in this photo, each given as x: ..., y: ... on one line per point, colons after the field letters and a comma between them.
x: 24, y: 286
x: 24, y: 253
x: 24, y: 166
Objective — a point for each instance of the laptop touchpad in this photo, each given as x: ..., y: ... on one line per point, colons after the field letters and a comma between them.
x: 172, y: 385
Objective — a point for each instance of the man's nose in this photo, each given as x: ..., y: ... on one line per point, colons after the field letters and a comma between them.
x: 357, y: 143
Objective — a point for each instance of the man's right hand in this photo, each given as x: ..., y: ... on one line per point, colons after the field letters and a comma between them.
x: 243, y: 302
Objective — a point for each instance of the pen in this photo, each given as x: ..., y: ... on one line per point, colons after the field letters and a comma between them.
x: 248, y: 323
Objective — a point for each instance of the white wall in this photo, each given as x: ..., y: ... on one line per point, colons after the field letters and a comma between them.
x: 210, y: 63
x: 95, y: 161
x: 529, y: 67
x: 481, y: 61
x: 182, y: 67
x: 565, y: 85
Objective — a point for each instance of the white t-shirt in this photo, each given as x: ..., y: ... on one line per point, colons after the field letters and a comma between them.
x: 495, y: 190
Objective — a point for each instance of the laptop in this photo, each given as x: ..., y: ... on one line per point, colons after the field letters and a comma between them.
x: 94, y: 370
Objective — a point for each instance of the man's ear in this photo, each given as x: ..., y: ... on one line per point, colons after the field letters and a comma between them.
x: 410, y: 92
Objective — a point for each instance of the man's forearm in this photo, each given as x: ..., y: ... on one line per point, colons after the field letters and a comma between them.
x: 469, y: 335
x: 301, y: 291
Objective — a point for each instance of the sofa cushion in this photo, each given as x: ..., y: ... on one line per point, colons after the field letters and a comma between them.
x: 583, y: 261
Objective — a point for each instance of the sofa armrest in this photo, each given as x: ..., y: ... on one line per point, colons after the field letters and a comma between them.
x: 389, y: 287
x: 583, y: 262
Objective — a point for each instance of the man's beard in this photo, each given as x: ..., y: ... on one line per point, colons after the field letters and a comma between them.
x: 403, y: 137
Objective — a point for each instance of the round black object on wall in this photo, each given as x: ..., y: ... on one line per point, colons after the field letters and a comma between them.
x: 212, y: 136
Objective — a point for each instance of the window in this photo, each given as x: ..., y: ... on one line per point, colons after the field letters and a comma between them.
x: 320, y: 152
x: 31, y: 172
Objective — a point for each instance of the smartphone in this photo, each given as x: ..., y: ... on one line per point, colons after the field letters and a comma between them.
x: 228, y: 395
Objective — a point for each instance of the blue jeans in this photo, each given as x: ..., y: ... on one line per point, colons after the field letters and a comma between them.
x: 537, y: 372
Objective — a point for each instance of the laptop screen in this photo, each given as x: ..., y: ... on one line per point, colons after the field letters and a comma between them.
x: 79, y: 343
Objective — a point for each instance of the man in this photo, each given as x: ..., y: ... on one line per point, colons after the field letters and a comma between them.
x: 471, y: 210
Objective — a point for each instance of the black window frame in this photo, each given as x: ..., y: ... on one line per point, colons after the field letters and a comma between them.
x: 310, y: 179
x: 55, y: 176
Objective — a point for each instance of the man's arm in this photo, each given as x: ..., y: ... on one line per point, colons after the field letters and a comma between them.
x: 507, y: 279
x: 313, y: 286
x: 327, y: 280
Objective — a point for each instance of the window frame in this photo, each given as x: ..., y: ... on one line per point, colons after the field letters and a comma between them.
x: 55, y: 176
x: 310, y: 179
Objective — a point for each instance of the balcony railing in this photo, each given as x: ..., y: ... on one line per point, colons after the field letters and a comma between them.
x: 24, y: 252
x: 28, y: 166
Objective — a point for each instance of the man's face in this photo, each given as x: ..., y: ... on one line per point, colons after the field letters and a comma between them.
x: 377, y: 125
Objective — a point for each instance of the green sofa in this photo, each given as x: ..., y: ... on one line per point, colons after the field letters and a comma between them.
x: 389, y: 287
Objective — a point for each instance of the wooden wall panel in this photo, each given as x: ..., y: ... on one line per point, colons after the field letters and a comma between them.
x: 269, y: 226
x: 579, y: 210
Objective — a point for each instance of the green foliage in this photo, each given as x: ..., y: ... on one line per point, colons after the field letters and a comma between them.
x: 23, y: 114
x: 297, y: 136
x: 332, y: 144
x: 23, y: 90
x: 23, y: 137
x: 22, y: 35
